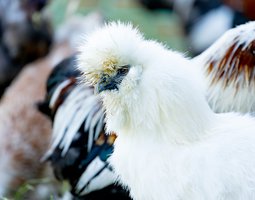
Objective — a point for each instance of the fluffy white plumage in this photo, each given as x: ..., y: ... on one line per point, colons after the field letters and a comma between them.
x: 170, y: 144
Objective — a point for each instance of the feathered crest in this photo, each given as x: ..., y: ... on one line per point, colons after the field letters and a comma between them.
x: 103, y: 55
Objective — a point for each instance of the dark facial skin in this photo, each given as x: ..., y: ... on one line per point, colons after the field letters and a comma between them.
x: 108, y: 82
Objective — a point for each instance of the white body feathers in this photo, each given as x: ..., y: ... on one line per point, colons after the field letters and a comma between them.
x: 170, y: 144
x: 220, y: 167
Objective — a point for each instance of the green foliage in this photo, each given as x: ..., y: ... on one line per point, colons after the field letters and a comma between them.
x: 161, y: 25
x: 26, y: 188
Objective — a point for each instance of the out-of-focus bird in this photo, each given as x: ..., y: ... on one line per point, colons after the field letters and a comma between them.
x: 21, y: 125
x: 25, y: 35
x: 25, y: 132
x: 229, y: 70
x: 204, y: 21
x: 170, y: 144
x: 80, y: 148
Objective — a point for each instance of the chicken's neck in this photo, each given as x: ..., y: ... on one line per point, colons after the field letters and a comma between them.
x: 181, y: 120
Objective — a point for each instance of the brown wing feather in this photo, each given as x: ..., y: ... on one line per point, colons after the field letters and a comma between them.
x: 236, y: 66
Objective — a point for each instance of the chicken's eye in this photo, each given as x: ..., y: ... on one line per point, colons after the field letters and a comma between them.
x: 123, y: 70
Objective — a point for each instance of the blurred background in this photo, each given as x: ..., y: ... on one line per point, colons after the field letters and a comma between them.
x: 35, y: 35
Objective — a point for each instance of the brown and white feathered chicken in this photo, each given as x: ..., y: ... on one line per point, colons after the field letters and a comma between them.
x: 229, y: 70
x: 170, y: 144
x: 24, y: 131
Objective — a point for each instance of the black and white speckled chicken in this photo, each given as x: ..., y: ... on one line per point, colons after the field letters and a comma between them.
x: 80, y: 148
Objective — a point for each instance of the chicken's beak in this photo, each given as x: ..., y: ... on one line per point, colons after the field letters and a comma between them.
x: 106, y: 82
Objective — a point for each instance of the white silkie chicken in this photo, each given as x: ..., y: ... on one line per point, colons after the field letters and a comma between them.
x: 170, y: 144
x: 229, y: 70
